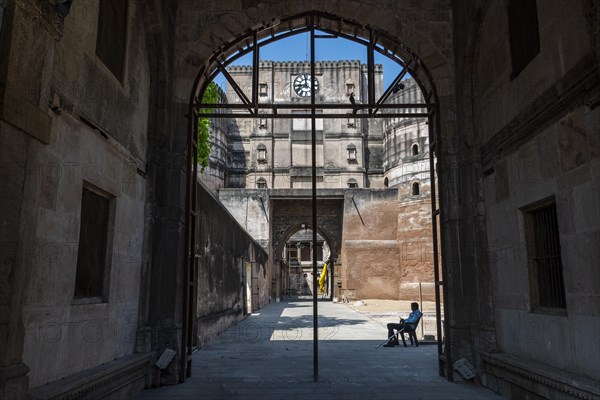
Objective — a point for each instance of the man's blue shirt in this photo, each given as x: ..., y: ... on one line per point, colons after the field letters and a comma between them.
x: 413, y: 317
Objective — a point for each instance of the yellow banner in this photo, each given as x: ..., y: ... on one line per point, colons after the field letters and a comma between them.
x: 322, y: 279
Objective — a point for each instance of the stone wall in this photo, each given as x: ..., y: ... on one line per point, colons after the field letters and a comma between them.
x: 64, y: 335
x: 539, y: 136
x: 66, y: 122
x: 224, y: 248
x: 387, y: 244
x: 386, y: 238
x: 552, y: 164
x: 250, y: 208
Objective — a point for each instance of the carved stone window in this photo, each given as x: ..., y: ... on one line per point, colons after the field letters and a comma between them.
x: 261, y: 153
x: 351, y: 149
x: 349, y: 87
x: 263, y: 90
x: 351, y: 121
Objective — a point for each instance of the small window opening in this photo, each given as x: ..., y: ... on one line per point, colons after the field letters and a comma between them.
x: 415, y: 149
x: 349, y: 88
x: 112, y: 35
x: 415, y: 189
x: 351, y: 121
x: 263, y: 89
x: 261, y: 154
x: 261, y: 183
x: 524, y: 34
x: 351, y: 153
x: 93, y: 255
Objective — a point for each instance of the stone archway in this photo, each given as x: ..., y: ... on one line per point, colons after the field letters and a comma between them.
x: 289, y: 214
x: 269, y: 23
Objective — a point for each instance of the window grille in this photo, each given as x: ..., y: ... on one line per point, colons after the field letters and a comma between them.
x: 545, y: 262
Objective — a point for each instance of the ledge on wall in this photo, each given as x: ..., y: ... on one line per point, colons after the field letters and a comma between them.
x: 544, y: 380
x: 121, y: 378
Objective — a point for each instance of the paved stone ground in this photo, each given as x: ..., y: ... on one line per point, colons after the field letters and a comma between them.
x: 270, y: 356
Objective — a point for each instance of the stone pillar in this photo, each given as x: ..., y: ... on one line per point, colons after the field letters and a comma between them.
x: 473, y: 313
x: 466, y: 274
x: 165, y: 243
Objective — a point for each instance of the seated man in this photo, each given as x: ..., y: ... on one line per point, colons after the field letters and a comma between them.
x: 410, y: 322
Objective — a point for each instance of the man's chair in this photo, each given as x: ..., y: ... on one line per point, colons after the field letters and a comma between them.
x: 412, y: 333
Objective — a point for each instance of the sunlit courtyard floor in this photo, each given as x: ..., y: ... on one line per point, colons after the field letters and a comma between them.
x: 269, y: 355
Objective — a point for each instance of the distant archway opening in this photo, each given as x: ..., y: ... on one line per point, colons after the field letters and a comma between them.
x: 298, y: 257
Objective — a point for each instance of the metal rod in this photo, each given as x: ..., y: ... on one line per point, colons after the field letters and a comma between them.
x: 235, y: 87
x: 327, y: 106
x: 283, y: 36
x: 370, y: 72
x: 390, y: 89
x: 314, y: 206
x: 320, y: 116
x: 421, y: 308
x: 364, y: 42
x: 188, y: 269
x: 255, y: 66
x: 434, y: 134
x: 434, y: 225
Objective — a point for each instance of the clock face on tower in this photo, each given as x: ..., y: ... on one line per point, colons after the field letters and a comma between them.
x: 302, y: 85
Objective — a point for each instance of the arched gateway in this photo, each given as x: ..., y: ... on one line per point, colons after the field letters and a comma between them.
x: 102, y: 126
x: 294, y: 207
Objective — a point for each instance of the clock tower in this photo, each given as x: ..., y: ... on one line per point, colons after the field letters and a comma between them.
x: 275, y: 153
